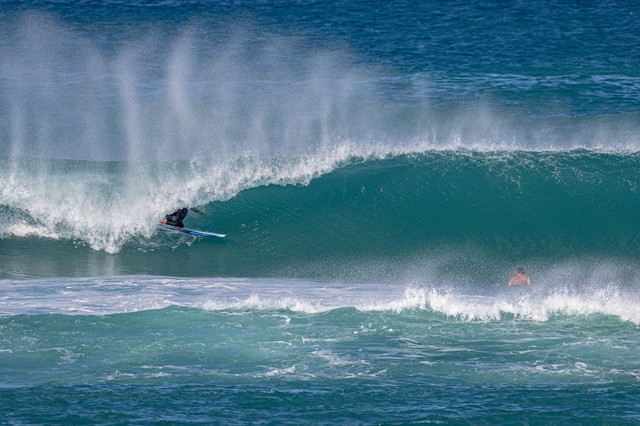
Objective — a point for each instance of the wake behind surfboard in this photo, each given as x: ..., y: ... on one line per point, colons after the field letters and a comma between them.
x: 191, y: 231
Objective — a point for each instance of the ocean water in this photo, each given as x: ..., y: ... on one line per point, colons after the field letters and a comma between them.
x: 381, y: 169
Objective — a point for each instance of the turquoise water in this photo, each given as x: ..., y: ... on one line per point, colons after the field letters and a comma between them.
x: 144, y: 349
x: 380, y: 169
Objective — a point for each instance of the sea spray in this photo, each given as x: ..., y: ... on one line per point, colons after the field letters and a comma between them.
x: 202, y: 97
x: 194, y: 123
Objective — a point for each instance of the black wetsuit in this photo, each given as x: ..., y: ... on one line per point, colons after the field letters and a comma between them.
x: 175, y: 218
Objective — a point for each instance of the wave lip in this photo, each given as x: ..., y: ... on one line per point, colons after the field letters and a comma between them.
x: 576, y: 202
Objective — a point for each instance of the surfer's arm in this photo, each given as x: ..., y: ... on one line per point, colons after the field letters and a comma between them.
x: 193, y: 209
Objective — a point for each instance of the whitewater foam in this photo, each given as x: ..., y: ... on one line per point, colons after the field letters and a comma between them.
x: 112, y: 295
x: 106, y: 205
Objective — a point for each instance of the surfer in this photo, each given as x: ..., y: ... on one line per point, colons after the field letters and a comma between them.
x: 175, y: 218
x: 520, y: 278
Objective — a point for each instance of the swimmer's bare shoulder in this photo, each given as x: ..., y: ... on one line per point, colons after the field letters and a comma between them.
x: 520, y: 279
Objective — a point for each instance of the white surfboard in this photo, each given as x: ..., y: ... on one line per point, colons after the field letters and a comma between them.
x: 191, y: 231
